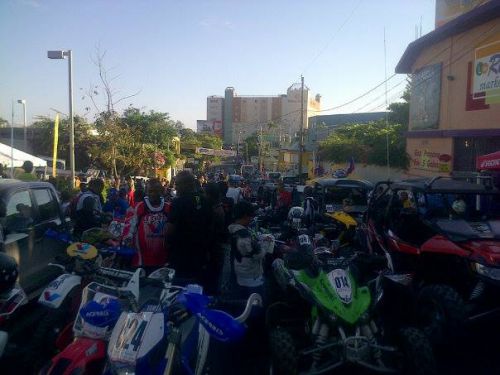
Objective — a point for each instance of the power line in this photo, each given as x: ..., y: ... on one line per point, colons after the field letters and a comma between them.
x: 424, y: 80
x: 333, y: 36
x: 380, y: 96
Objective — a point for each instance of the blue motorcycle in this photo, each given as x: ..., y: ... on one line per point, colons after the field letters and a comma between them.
x: 174, y: 335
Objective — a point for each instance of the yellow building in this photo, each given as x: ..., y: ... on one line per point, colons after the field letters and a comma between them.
x: 455, y: 92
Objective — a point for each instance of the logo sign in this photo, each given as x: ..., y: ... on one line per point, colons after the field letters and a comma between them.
x: 339, y: 279
x: 487, y: 71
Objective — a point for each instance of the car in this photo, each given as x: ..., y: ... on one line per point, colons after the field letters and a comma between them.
x: 331, y: 193
x: 29, y: 209
x: 445, y: 233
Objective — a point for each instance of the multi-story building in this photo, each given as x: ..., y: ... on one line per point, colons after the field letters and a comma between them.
x: 236, y: 117
x: 455, y: 90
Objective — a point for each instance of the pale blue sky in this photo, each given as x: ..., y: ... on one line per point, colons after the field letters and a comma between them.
x: 179, y: 52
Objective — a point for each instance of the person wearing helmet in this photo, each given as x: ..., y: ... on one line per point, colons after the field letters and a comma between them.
x: 459, y: 207
x: 311, y: 206
x: 247, y: 252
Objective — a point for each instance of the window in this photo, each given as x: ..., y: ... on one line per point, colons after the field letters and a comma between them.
x: 19, y: 212
x: 47, y: 206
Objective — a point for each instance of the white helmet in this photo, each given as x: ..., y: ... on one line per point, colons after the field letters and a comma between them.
x: 295, y: 217
x: 459, y: 206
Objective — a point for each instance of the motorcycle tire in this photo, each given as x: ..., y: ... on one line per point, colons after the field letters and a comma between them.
x: 441, y: 313
x: 284, y: 356
x: 417, y: 351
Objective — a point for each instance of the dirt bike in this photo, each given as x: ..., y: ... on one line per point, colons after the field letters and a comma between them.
x: 99, y: 311
x: 173, y: 336
x: 61, y: 298
x: 339, y: 325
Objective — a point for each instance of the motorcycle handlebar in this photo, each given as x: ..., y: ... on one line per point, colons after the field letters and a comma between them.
x: 254, y: 300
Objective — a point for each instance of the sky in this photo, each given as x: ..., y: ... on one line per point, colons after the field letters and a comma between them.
x: 174, y: 54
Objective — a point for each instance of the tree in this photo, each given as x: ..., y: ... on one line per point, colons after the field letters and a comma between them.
x: 367, y: 143
x: 44, y: 134
x: 399, y: 112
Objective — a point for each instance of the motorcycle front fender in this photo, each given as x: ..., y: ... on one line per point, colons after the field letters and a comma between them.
x: 57, y: 291
x: 78, y: 357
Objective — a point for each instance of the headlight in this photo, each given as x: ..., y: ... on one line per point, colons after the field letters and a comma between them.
x: 492, y: 273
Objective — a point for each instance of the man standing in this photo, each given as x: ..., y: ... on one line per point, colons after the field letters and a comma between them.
x: 188, y: 229
x: 88, y: 210
x: 147, y: 228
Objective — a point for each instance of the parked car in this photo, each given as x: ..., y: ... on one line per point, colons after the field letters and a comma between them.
x: 28, y: 210
x: 331, y: 192
x: 446, y: 233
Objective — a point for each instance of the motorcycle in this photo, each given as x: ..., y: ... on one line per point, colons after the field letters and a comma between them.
x: 181, y: 326
x: 341, y: 323
x: 11, y: 302
x: 61, y: 298
x: 99, y: 311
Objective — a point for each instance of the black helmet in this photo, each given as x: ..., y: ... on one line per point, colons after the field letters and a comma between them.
x: 8, y: 273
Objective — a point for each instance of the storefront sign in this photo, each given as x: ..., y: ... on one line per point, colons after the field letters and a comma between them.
x: 431, y: 161
x: 487, y: 71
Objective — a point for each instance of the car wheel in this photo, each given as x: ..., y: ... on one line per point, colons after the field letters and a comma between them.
x: 441, y: 312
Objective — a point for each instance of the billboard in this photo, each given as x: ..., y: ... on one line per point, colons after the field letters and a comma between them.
x: 204, y: 127
x: 487, y: 71
x: 425, y: 97
x: 213, y: 152
x: 446, y: 10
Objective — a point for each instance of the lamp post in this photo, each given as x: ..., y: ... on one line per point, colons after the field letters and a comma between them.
x: 23, y: 102
x: 60, y: 55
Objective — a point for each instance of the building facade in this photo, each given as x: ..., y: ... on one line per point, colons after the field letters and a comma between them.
x: 455, y: 93
x: 236, y: 117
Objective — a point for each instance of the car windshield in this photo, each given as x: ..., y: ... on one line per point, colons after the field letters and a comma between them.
x: 467, y: 206
x: 337, y: 194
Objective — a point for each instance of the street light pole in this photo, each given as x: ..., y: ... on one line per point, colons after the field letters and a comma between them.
x: 301, y: 144
x: 23, y: 102
x: 58, y: 55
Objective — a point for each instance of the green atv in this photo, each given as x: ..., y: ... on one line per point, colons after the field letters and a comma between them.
x: 324, y: 320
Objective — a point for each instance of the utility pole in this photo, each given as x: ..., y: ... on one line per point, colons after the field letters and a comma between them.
x: 301, y: 145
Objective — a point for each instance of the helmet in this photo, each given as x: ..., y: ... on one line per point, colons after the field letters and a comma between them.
x: 8, y: 273
x: 308, y: 191
x: 459, y: 206
x: 295, y: 217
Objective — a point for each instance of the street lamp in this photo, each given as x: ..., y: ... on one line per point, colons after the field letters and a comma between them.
x: 23, y: 102
x: 59, y: 55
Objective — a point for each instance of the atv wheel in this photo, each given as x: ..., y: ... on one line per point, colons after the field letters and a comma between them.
x: 284, y: 359
x: 440, y: 312
x: 417, y: 351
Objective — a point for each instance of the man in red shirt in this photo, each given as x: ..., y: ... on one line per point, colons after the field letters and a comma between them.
x: 147, y: 228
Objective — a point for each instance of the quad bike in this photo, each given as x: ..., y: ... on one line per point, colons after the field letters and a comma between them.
x: 329, y: 320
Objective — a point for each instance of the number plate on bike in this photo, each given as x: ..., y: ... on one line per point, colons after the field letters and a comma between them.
x: 134, y: 335
x: 330, y: 208
x: 340, y: 282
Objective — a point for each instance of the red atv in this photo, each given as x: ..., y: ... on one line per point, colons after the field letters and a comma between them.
x: 445, y: 233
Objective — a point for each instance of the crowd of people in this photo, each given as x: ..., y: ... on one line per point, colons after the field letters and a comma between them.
x: 186, y: 224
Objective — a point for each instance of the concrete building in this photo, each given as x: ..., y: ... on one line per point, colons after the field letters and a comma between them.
x: 240, y: 116
x: 455, y: 92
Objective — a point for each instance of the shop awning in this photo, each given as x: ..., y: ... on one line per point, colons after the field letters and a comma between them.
x: 489, y: 162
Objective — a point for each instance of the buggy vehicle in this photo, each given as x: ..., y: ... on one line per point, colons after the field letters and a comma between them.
x: 331, y: 192
x: 447, y: 234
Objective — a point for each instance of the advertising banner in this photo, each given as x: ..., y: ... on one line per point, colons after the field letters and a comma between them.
x: 204, y: 127
x: 487, y: 71
x: 212, y: 152
x: 425, y: 97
